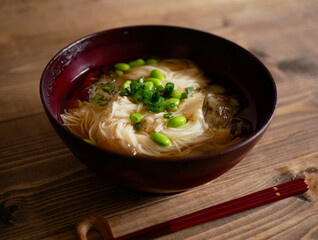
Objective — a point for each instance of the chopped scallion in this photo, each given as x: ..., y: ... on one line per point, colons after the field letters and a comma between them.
x: 137, y: 126
x: 168, y: 89
x: 138, y: 97
x: 141, y: 80
x: 147, y: 94
x: 97, y: 100
x: 124, y: 92
x: 134, y: 86
x: 149, y: 86
x: 126, y: 84
x: 136, y: 117
x: 154, y: 107
x: 168, y: 115
x: 184, y: 95
x: 160, y: 88
x: 155, y: 97
x: 190, y: 90
x: 106, y: 87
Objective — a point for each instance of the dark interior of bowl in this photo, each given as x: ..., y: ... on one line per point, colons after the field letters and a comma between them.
x: 220, y: 59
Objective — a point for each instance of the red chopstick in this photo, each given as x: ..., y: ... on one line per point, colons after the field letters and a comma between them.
x: 253, y: 200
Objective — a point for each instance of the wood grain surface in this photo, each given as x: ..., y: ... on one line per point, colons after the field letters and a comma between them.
x: 45, y: 190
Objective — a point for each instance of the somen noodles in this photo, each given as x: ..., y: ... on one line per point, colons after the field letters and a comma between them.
x: 177, y: 114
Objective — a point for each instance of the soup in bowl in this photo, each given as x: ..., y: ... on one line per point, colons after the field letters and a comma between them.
x: 158, y: 108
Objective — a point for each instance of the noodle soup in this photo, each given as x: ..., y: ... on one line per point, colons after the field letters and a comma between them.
x: 159, y: 108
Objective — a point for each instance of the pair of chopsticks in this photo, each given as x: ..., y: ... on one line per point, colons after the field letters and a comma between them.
x: 253, y: 200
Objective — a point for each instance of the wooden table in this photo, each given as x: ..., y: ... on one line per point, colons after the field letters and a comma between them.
x: 53, y: 189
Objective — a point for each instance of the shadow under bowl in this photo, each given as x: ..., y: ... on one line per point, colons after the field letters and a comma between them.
x: 219, y: 58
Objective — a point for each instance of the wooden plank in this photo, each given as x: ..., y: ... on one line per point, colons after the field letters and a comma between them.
x: 54, y: 190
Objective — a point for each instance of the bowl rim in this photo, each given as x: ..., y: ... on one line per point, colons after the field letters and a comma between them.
x: 202, y: 156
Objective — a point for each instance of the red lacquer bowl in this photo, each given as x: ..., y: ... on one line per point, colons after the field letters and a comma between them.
x: 219, y: 58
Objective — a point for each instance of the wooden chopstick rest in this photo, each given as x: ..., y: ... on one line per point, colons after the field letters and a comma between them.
x: 96, y: 222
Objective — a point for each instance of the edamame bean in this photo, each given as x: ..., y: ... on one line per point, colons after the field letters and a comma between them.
x: 156, y: 73
x: 155, y: 81
x: 177, y: 121
x: 137, y: 62
x: 136, y: 117
x: 122, y: 66
x: 161, y: 139
x: 119, y: 73
x: 126, y: 84
x: 151, y: 61
x: 176, y: 94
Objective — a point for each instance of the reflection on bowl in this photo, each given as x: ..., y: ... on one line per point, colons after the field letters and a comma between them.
x: 219, y: 59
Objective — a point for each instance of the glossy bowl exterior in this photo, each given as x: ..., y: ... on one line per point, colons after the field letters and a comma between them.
x: 215, y: 55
